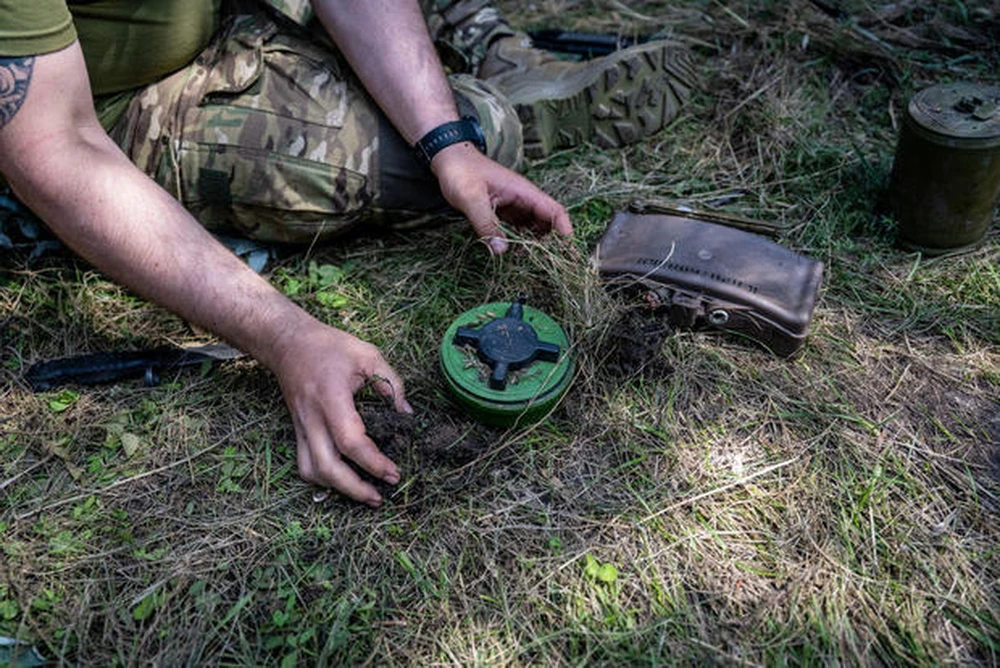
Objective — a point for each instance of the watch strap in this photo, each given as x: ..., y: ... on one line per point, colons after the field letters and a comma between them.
x: 446, y: 134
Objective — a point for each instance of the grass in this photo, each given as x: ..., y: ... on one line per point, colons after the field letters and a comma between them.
x: 727, y: 507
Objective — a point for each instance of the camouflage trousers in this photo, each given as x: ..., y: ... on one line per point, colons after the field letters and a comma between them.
x: 461, y: 29
x: 269, y: 132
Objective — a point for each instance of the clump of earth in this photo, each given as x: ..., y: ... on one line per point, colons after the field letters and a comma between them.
x: 433, y: 452
x: 443, y: 442
x: 634, y: 344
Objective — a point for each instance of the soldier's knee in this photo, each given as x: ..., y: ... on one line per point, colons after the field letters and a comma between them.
x: 497, y: 116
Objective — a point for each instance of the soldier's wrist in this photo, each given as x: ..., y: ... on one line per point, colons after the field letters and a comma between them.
x: 463, y: 131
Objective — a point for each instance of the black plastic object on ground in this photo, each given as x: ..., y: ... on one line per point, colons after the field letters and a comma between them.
x: 584, y: 44
x: 108, y: 367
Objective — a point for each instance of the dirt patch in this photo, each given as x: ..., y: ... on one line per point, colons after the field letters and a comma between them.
x: 429, y: 449
x: 634, y: 345
x: 991, y: 448
x: 451, y: 444
x: 392, y: 432
x: 441, y: 442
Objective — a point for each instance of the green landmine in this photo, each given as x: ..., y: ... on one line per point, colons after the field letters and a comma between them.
x: 506, y: 363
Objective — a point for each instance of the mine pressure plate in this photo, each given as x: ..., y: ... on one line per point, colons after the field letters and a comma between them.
x: 506, y: 362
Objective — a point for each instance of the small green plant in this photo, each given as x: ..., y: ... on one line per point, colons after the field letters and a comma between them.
x: 595, y: 571
x: 233, y: 469
x: 63, y: 401
x: 9, y: 609
x: 148, y: 605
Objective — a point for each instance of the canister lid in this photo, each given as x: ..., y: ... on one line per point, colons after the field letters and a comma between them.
x: 962, y: 111
x: 506, y: 363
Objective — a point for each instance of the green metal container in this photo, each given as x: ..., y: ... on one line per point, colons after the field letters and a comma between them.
x: 946, y: 175
x: 506, y: 363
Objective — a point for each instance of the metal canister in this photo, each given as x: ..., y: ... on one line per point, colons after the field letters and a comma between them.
x: 946, y: 175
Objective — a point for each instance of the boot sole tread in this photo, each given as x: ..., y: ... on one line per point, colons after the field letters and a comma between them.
x: 631, y: 99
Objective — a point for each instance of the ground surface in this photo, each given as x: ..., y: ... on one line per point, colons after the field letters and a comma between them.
x: 693, y: 500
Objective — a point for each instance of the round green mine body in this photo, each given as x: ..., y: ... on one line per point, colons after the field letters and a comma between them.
x: 475, y: 353
x: 946, y: 174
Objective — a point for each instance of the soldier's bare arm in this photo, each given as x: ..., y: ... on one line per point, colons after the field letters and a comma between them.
x: 60, y: 162
x: 387, y: 44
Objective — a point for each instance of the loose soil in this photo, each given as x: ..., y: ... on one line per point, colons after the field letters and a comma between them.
x: 634, y: 344
x: 443, y: 443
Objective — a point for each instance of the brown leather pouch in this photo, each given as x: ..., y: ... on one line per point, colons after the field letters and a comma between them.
x: 704, y: 275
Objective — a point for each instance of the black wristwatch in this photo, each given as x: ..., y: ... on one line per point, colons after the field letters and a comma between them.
x: 443, y: 136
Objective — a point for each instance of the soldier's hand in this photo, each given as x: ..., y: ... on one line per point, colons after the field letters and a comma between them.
x: 487, y: 193
x: 320, y: 369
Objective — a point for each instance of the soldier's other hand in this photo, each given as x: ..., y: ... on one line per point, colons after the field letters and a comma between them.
x: 320, y: 369
x: 488, y: 193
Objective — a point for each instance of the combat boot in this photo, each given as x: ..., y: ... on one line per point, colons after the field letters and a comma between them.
x: 610, y: 101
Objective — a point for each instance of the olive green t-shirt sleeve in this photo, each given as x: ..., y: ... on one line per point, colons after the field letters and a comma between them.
x: 132, y: 43
x: 33, y: 27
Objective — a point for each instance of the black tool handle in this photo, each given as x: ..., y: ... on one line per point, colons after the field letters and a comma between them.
x: 585, y: 44
x: 97, y: 368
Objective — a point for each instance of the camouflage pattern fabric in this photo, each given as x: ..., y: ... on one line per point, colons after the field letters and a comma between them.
x: 299, y: 11
x: 269, y: 132
x: 461, y: 29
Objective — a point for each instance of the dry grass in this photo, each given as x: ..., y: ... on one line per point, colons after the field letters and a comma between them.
x: 724, y: 507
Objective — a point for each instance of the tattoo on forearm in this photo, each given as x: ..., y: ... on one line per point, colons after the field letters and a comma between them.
x: 15, y: 77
